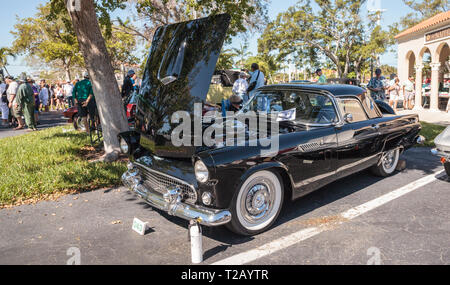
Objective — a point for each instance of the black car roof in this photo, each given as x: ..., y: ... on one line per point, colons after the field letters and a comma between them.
x: 335, y: 89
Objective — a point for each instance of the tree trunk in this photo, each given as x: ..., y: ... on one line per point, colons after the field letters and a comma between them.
x: 68, y: 75
x: 98, y: 64
x: 6, y: 70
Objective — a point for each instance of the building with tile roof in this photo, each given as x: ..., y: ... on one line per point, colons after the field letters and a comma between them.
x: 427, y: 41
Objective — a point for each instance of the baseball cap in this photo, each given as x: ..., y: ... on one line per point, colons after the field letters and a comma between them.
x: 235, y: 99
x: 23, y: 78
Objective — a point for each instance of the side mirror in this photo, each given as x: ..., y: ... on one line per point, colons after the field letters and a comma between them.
x: 348, y: 118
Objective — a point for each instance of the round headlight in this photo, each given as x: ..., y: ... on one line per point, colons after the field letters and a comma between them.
x: 201, y: 171
x: 207, y: 198
x: 123, y: 146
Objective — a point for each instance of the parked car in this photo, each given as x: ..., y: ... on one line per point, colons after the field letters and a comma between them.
x: 72, y: 116
x: 332, y: 131
x: 349, y: 81
x: 442, y: 149
x: 72, y: 113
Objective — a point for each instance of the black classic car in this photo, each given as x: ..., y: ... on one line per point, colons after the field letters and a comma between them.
x: 325, y: 132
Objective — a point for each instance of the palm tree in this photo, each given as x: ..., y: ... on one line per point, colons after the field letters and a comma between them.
x: 4, y: 54
x: 242, y: 54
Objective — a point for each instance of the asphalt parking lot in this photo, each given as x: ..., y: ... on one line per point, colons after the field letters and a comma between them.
x: 399, y: 221
x: 46, y: 120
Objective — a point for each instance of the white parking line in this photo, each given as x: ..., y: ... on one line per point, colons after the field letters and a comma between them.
x: 286, y: 241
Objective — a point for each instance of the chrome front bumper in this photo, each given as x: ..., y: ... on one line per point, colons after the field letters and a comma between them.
x: 171, y: 202
x: 440, y: 153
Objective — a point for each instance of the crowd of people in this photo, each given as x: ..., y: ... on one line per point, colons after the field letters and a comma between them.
x: 22, y: 99
x: 391, y: 90
x: 18, y: 102
x: 244, y: 88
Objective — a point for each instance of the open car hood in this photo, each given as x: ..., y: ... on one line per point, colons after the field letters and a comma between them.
x: 177, y: 74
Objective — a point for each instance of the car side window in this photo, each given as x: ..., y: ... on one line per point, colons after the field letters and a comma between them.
x: 353, y: 107
x: 266, y: 102
x: 370, y: 105
x: 311, y: 108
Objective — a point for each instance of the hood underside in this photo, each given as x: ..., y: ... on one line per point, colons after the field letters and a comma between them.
x: 177, y: 75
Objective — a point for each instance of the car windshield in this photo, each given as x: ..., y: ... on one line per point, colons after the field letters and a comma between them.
x: 296, y: 106
x: 133, y: 98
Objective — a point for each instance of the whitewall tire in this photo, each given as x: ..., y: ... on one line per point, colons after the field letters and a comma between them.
x: 257, y: 203
x: 387, y: 164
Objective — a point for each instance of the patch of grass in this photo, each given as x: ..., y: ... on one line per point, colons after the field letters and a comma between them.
x: 41, y: 164
x: 430, y: 132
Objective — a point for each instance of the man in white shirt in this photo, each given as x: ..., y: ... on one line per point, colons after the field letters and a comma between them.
x: 43, y: 95
x: 68, y: 88
x: 257, y: 76
x: 11, y: 94
x: 409, y: 93
x: 240, y: 86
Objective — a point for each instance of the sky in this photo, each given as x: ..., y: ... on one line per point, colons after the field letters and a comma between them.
x: 395, y: 9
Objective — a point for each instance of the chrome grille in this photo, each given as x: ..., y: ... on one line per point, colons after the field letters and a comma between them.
x: 160, y: 182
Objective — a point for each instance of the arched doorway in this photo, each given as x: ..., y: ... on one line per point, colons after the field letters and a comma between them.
x: 411, y: 60
x: 443, y: 58
x: 424, y: 75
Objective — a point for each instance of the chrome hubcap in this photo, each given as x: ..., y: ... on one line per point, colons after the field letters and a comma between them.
x: 389, y: 159
x: 258, y: 202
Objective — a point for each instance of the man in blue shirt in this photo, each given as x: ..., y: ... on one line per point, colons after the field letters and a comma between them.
x: 377, y: 86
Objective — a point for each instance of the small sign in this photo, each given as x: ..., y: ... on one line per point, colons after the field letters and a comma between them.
x: 437, y: 35
x: 139, y: 226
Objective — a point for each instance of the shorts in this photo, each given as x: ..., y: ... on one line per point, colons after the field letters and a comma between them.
x: 393, y: 97
x: 5, y: 110
x: 17, y: 111
x: 84, y: 111
x: 409, y: 95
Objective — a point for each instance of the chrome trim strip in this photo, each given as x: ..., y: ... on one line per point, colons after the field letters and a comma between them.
x: 356, y: 163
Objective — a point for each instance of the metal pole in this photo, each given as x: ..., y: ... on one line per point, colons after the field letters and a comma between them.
x: 195, y: 233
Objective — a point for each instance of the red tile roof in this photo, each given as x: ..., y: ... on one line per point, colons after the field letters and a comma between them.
x: 433, y: 21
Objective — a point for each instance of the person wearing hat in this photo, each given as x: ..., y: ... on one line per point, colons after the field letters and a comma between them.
x: 128, y: 84
x: 256, y: 80
x: 322, y: 77
x: 235, y: 103
x: 240, y: 86
x: 84, y: 99
x: 24, y: 104
x: 11, y: 96
x: 44, y: 95
x: 377, y: 86
x: 67, y: 90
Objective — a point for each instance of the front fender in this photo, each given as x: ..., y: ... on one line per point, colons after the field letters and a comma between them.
x: 230, y: 179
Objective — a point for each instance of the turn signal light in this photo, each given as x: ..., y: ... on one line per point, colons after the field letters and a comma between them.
x: 443, y: 160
